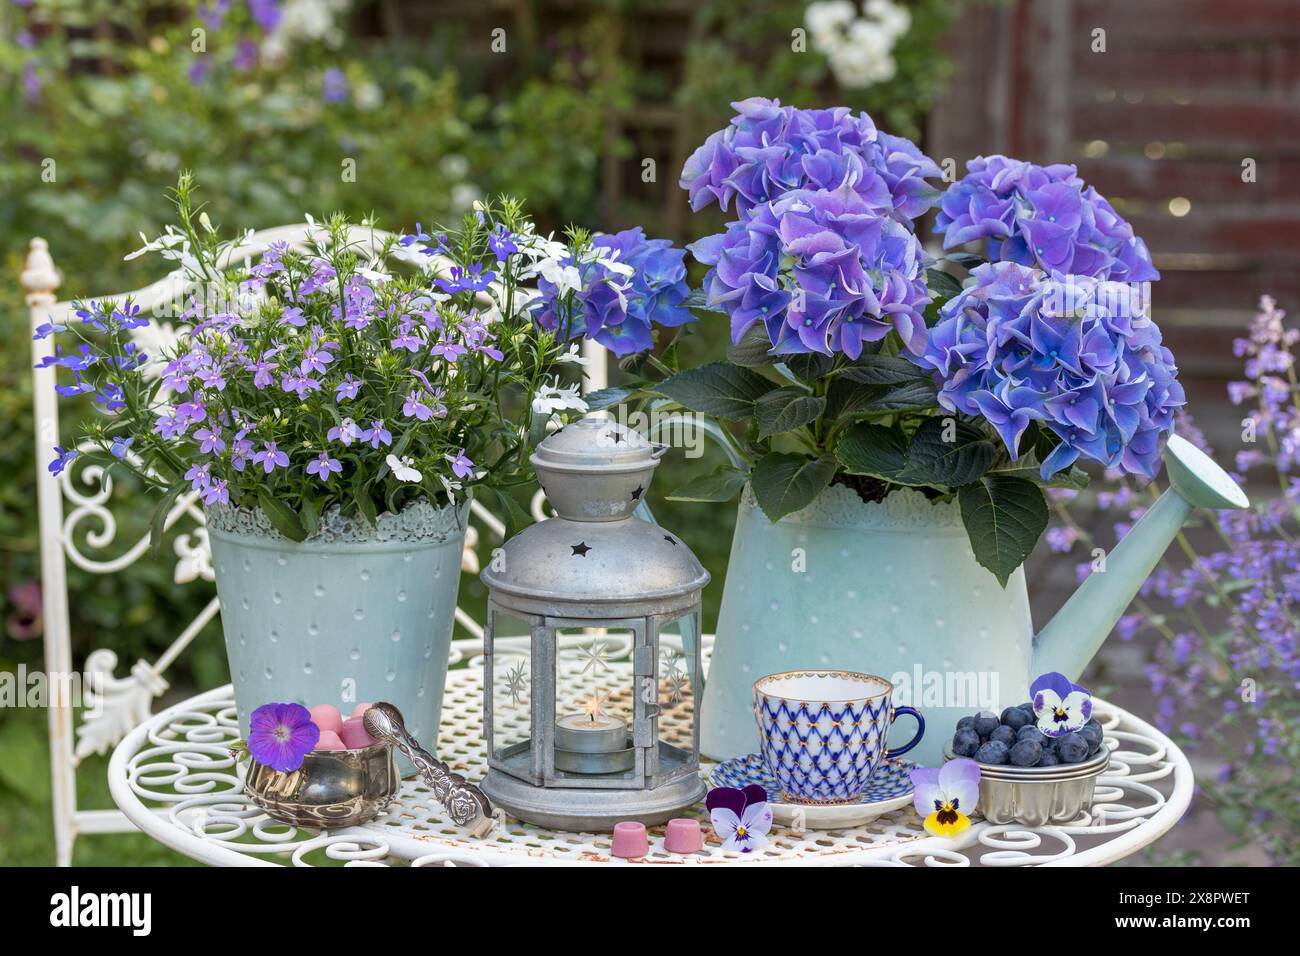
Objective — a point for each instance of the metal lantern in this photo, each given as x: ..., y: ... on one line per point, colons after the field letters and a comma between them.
x: 576, y: 742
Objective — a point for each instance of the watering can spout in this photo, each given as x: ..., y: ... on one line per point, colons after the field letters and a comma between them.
x: 1072, y: 637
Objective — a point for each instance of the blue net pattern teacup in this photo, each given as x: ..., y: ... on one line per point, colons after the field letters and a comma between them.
x: 822, y: 733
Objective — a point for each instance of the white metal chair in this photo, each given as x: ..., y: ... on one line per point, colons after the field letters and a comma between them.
x: 121, y: 703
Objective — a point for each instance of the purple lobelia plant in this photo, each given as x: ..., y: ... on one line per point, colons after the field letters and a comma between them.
x: 1224, y: 619
x: 859, y: 360
x: 357, y: 375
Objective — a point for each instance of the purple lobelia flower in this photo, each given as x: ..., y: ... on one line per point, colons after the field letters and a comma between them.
x: 334, y: 86
x: 62, y: 459
x: 281, y: 735
x: 1060, y: 705
x: 270, y: 458
x: 323, y: 465
x: 741, y: 817
x: 1044, y: 216
x: 461, y: 466
x: 1076, y: 354
x: 825, y: 271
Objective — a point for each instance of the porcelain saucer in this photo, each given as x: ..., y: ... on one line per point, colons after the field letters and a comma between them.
x: 890, y: 788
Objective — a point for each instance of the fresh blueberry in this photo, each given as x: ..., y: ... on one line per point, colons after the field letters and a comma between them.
x: 1014, y: 717
x: 995, y: 751
x: 1071, y: 748
x: 1031, y: 732
x: 966, y: 722
x: 1026, y: 753
x: 985, y: 724
x: 965, y: 742
x: 1092, y: 732
x: 1027, y: 706
x: 1004, y: 734
x: 1048, y: 759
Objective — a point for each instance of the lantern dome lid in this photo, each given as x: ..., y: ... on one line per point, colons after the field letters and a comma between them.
x: 571, y: 564
x: 596, y: 445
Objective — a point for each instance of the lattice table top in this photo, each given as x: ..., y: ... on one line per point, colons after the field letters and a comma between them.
x: 174, y: 778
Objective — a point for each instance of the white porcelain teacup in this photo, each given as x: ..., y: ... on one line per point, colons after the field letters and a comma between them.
x: 823, y: 732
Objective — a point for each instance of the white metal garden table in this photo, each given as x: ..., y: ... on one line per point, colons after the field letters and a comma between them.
x: 175, y: 778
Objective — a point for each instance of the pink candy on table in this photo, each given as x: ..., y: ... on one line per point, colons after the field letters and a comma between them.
x: 684, y: 836
x: 360, y: 710
x: 327, y: 717
x: 630, y: 840
x: 329, y: 741
x: 354, y: 734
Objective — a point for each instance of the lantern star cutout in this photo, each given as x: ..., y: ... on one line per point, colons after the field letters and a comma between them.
x: 637, y: 493
x: 580, y: 549
x: 517, y: 683
x: 669, y: 539
x: 595, y: 656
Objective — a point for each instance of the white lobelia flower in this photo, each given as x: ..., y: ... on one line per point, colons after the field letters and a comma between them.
x: 552, y: 397
x: 573, y: 357
x: 402, y: 468
x: 565, y: 278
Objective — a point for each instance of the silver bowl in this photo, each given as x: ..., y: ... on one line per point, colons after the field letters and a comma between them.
x: 332, y: 788
x: 1037, y: 796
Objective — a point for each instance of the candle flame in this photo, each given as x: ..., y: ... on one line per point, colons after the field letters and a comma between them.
x: 594, y: 706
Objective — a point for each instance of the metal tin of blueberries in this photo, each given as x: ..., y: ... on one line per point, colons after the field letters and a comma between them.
x: 1038, y: 796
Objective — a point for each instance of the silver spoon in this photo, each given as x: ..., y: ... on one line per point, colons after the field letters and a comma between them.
x: 465, y: 803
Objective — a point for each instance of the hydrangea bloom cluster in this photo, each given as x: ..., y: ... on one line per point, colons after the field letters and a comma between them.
x: 824, y: 251
x: 770, y: 149
x: 1076, y: 354
x: 1044, y: 216
x: 317, y: 377
x: 1231, y: 611
x: 615, y: 291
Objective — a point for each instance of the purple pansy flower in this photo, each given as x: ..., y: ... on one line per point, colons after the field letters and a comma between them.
x: 741, y: 817
x: 281, y: 735
x: 945, y: 797
x: 1060, y: 705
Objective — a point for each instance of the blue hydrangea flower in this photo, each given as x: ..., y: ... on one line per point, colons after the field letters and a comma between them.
x: 1044, y: 216
x: 770, y: 149
x: 1079, y: 355
x: 825, y: 270
x: 619, y: 310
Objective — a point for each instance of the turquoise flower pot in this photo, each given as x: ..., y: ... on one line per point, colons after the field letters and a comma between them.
x: 355, y: 613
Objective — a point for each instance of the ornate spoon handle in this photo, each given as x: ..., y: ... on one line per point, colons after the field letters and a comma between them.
x: 465, y: 803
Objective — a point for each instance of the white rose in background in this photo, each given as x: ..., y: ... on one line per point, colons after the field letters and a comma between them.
x: 858, y: 43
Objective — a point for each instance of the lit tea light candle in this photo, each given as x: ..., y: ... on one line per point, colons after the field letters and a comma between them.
x: 593, y: 741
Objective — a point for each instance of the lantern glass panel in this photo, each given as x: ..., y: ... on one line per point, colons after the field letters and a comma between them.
x: 595, y: 705
x: 513, y: 687
x: 679, y: 693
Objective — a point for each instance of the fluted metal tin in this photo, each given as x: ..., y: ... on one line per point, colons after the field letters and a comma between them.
x: 594, y: 567
x: 1037, y: 796
x: 332, y: 788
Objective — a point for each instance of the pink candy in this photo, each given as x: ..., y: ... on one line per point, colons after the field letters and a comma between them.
x: 360, y: 710
x: 329, y: 741
x: 630, y: 840
x: 327, y: 718
x: 354, y: 734
x: 684, y: 836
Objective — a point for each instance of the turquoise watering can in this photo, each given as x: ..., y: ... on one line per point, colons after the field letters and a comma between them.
x: 892, y: 588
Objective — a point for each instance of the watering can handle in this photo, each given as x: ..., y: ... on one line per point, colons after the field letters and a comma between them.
x: 920, y: 731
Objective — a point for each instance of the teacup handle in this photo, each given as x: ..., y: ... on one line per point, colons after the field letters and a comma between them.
x: 920, y: 731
